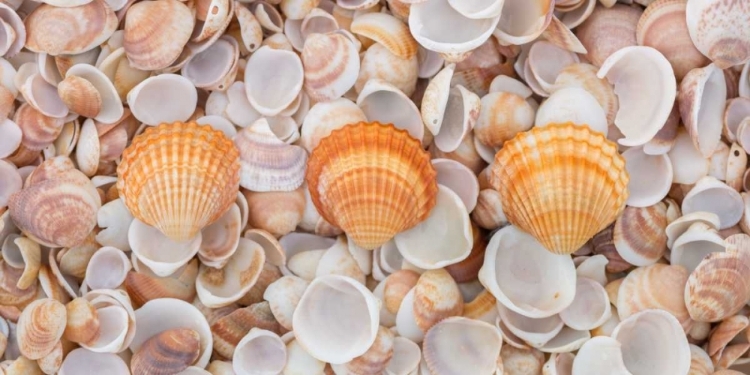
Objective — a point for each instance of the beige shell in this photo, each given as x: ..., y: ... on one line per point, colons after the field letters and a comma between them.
x: 331, y: 66
x: 40, y: 211
x: 502, y: 116
x: 144, y: 286
x: 639, y: 234
x: 720, y: 31
x: 80, y: 96
x: 375, y: 359
x: 229, y: 330
x: 608, y: 30
x: 658, y: 286
x: 720, y: 285
x: 156, y: 33
x: 139, y: 178
x: 39, y: 131
x: 441, y: 342
x: 82, y: 322
x: 520, y: 161
x: 58, y: 31
x: 40, y: 327
x: 170, y: 351
x: 388, y: 31
x: 436, y: 297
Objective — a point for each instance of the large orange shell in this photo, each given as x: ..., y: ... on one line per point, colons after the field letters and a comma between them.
x: 372, y: 181
x: 562, y: 183
x: 179, y: 177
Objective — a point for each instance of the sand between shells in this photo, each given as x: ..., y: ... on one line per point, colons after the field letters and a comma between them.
x: 365, y: 187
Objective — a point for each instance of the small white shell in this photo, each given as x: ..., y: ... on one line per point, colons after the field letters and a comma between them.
x: 273, y: 79
x: 163, y: 98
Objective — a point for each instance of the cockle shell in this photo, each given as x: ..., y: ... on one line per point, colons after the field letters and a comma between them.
x: 111, y: 110
x: 170, y: 351
x: 639, y: 234
x: 453, y: 347
x: 325, y: 117
x: 40, y: 327
x: 530, y: 205
x: 58, y: 31
x: 42, y: 214
x: 658, y: 286
x: 143, y: 286
x: 214, y: 181
x: 720, y: 30
x: 608, y: 30
x: 501, y: 117
x: 340, y: 165
x: 331, y: 66
x: 39, y: 130
x: 80, y: 96
x: 719, y: 286
x: 156, y: 33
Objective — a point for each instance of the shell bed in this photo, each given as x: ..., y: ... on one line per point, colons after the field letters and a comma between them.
x: 374, y: 187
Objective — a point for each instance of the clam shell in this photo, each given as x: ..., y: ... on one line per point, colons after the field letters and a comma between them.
x: 221, y: 287
x: 663, y: 26
x: 702, y: 100
x: 114, y: 219
x: 220, y: 239
x: 331, y: 66
x: 707, y: 296
x: 433, y: 37
x: 534, y: 332
x: 156, y: 33
x: 145, y: 286
x: 376, y: 358
x: 637, y: 292
x: 162, y: 99
x: 600, y: 355
x: 169, y: 351
x: 40, y: 211
x: 283, y: 295
x: 388, y: 31
x: 521, y: 359
x: 700, y: 362
x: 436, y: 297
x: 107, y: 268
x: 573, y: 104
x: 260, y: 352
x: 584, y: 76
x: 608, y: 30
x: 39, y: 130
x: 382, y: 102
x: 12, y: 139
x: 216, y: 185
x: 535, y: 16
x: 605, y: 168
x: 29, y: 252
x: 590, y: 307
x: 82, y: 322
x: 271, y: 97
x: 278, y: 212
x: 299, y: 361
x: 640, y: 234
x: 442, y: 356
x: 214, y: 68
x: 718, y: 30
x: 325, y: 117
x: 650, y: 176
x: 229, y: 330
x: 502, y: 116
x: 341, y: 158
x: 712, y: 195
x: 379, y: 62
x: 13, y: 25
x: 688, y: 164
x: 81, y: 360
x: 80, y: 96
x: 57, y: 31
x: 640, y: 67
x: 267, y: 163
x: 40, y: 327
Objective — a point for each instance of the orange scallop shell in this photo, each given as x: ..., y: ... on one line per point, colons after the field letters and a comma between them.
x: 179, y: 177
x: 562, y: 183
x: 371, y: 180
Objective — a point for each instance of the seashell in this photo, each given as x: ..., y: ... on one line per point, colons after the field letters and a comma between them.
x: 575, y: 105
x: 438, y: 39
x: 543, y: 72
x: 502, y: 116
x: 114, y: 219
x: 251, y: 32
x: 23, y: 253
x: 39, y: 94
x: 601, y: 354
x: 443, y: 357
x: 736, y: 110
x: 436, y: 297
x: 299, y: 360
x: 714, y: 28
x: 219, y: 240
x: 283, y: 296
x: 325, y: 117
x: 488, y: 213
x: 663, y: 27
x: 744, y: 88
x: 221, y: 287
x: 297, y: 9
x: 331, y: 66
x: 268, y: 16
x: 702, y: 99
x: 169, y: 351
x: 550, y: 295
x: 388, y: 31
x: 517, y: 359
x: 559, y: 364
x: 376, y: 358
x: 15, y: 29
x: 123, y: 76
x: 590, y: 307
x: 688, y: 164
x: 40, y: 327
x: 379, y: 62
x: 608, y: 30
x: 164, y: 314
x: 148, y: 110
x: 639, y: 234
x: 700, y: 362
x: 12, y: 182
x: 636, y: 294
x: 317, y: 21
x: 445, y: 247
x: 39, y: 130
x: 80, y: 360
x: 534, y: 332
x: 653, y: 171
x: 260, y: 352
x: 461, y: 113
x: 349, y: 217
x: 80, y: 96
x: 724, y: 332
x: 594, y: 268
x: 145, y: 285
x: 640, y: 67
x: 107, y: 268
x: 82, y: 322
x: 148, y: 245
x: 156, y: 33
x: 336, y: 336
x: 228, y: 331
x: 560, y: 137
x: 536, y: 17
x: 52, y: 362
x: 724, y: 201
x: 12, y: 139
x: 278, y: 212
x: 435, y: 99
x: 215, y: 67
x: 709, y: 221
x: 650, y: 337
x: 603, y: 244
x: 57, y: 31
x: 706, y: 299
x: 559, y: 34
x: 50, y: 181
x: 396, y: 286
x: 267, y: 63
x: 135, y: 179
x: 378, y: 95
x: 459, y: 179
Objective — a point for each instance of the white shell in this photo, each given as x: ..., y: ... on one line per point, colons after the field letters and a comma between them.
x: 163, y: 98
x: 273, y: 79
x: 712, y: 195
x: 427, y: 22
x: 157, y: 251
x: 650, y: 177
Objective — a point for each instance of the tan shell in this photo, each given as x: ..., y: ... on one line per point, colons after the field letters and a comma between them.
x: 143, y: 286
x: 40, y: 327
x: 139, y: 178
x: 71, y: 31
x: 169, y: 351
x: 436, y: 297
x: 388, y: 31
x: 41, y: 213
x: 39, y: 131
x: 82, y: 322
x: 603, y: 243
x: 331, y: 66
x: 227, y: 331
x: 80, y: 96
x: 397, y: 285
x: 658, y: 286
x: 375, y: 359
x: 502, y: 116
x: 720, y: 30
x: 639, y: 234
x: 720, y: 285
x: 608, y: 30
x: 156, y: 33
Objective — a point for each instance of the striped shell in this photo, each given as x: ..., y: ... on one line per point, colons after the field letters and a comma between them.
x: 40, y: 327
x: 372, y: 181
x: 547, y: 178
x: 639, y: 234
x: 170, y: 351
x: 331, y: 66
x: 179, y: 177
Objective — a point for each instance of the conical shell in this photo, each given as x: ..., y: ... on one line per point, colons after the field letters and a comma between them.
x: 170, y: 351
x: 351, y: 172
x: 202, y: 180
x: 562, y: 183
x: 58, y: 31
x: 40, y: 327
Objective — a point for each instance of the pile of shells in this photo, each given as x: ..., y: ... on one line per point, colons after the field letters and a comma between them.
x: 367, y: 187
